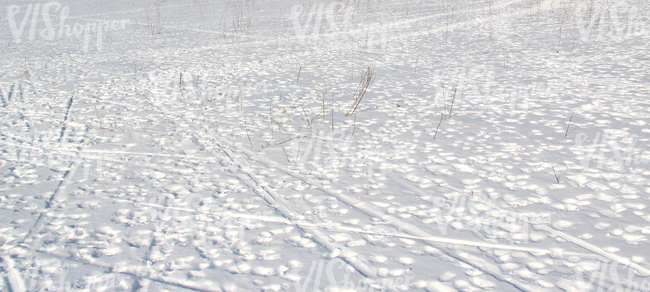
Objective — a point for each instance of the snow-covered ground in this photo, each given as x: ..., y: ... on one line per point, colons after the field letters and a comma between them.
x: 217, y: 145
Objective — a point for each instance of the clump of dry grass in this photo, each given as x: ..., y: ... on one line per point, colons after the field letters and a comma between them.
x: 154, y: 26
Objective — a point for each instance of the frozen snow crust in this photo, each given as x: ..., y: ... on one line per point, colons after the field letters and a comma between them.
x: 324, y: 146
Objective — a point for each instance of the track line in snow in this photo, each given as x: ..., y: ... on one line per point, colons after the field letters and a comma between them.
x: 139, y: 274
x: 413, y: 232
x: 642, y: 271
x: 645, y: 272
x: 487, y: 268
x: 336, y: 250
x: 64, y: 129
x: 13, y: 276
x: 240, y: 169
x: 330, y: 226
x: 4, y: 97
x: 54, y: 200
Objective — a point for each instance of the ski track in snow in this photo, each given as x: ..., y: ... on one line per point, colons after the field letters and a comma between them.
x: 136, y: 162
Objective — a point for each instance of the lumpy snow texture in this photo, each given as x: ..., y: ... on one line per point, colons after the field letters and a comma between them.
x: 355, y: 145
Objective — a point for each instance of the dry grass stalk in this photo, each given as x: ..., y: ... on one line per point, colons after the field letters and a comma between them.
x: 332, y: 109
x: 285, y: 111
x: 298, y: 79
x: 332, y: 120
x: 436, y: 134
x: 285, y: 154
x: 309, y: 122
x: 249, y: 137
x: 117, y: 124
x: 101, y: 123
x: 241, y: 100
x: 453, y: 99
x: 271, y: 123
x: 366, y: 80
x: 355, y: 124
x: 322, y: 95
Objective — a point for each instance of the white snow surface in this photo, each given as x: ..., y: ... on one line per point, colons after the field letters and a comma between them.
x: 202, y: 145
